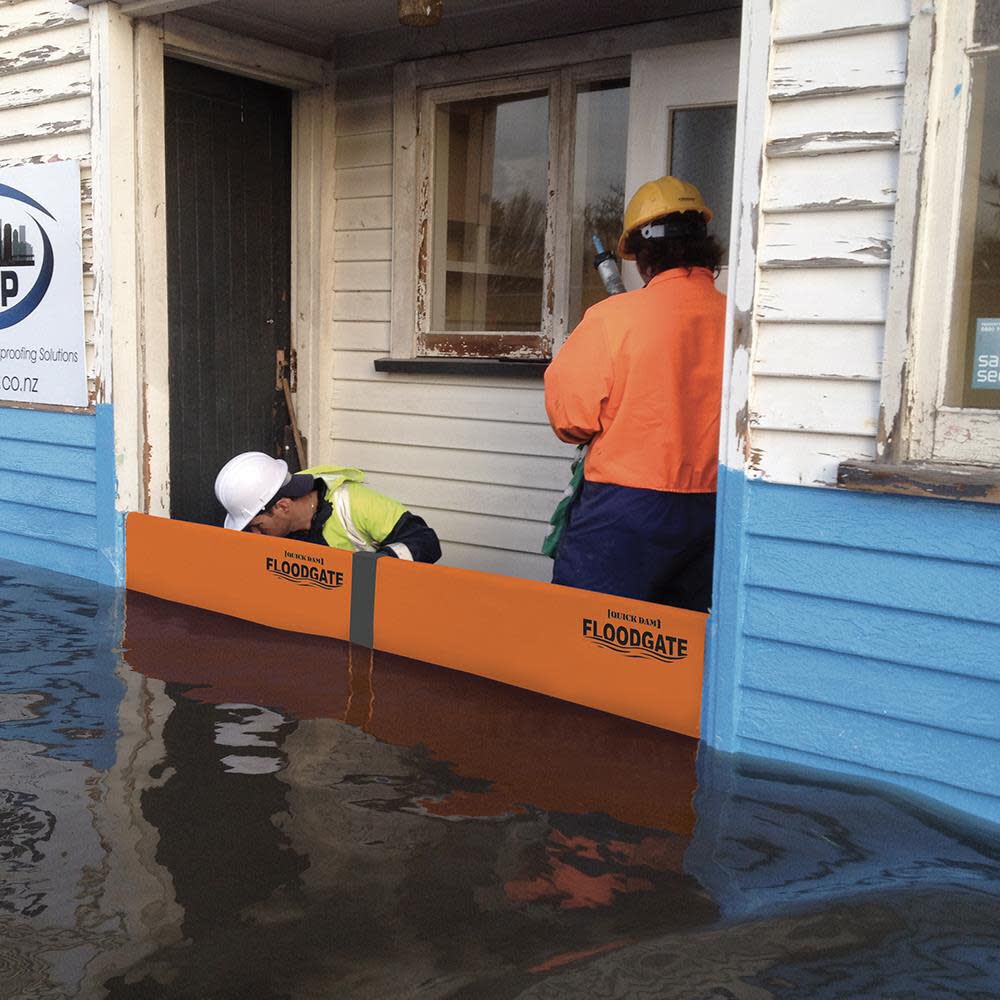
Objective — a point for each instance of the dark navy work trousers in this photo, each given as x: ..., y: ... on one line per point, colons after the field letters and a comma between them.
x: 644, y: 544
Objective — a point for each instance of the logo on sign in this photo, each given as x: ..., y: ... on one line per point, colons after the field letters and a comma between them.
x: 26, y: 256
x: 306, y: 571
x: 634, y: 635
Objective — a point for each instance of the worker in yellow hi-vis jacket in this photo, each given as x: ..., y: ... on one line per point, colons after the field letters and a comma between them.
x: 326, y: 505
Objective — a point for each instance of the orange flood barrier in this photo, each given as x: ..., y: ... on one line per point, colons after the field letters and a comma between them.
x: 631, y: 658
x: 635, y: 659
x: 272, y: 581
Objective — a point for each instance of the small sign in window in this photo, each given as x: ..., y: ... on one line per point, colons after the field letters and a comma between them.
x: 986, y: 360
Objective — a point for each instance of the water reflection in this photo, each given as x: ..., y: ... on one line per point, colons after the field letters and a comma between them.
x: 237, y: 812
x: 59, y: 648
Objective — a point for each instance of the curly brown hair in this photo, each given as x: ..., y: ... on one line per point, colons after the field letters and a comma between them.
x: 686, y: 244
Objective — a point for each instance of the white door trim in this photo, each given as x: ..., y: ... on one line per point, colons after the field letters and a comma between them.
x: 142, y: 411
x: 674, y: 76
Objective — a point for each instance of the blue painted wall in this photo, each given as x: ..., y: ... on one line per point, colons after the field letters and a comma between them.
x: 57, y: 493
x: 859, y: 633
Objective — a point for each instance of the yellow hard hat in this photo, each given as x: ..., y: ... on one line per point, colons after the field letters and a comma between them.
x: 654, y: 199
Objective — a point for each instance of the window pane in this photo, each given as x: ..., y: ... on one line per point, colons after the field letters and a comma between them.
x: 702, y: 141
x: 598, y: 185
x: 978, y: 278
x: 491, y: 177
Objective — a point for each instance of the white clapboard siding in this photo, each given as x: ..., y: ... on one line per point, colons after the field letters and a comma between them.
x: 473, y: 455
x: 831, y: 65
x: 511, y: 533
x: 68, y: 146
x: 429, y: 399
x: 361, y: 306
x: 70, y: 116
x: 806, y: 19
x: 358, y: 182
x: 448, y: 493
x: 865, y: 179
x: 363, y: 213
x: 446, y: 431
x: 363, y: 244
x: 850, y: 114
x: 45, y: 85
x: 31, y: 16
x: 526, y: 565
x: 362, y: 335
x: 828, y: 197
x: 44, y: 47
x: 45, y: 107
x: 362, y: 276
x: 824, y: 406
x: 536, y: 472
x: 805, y: 459
x: 369, y: 149
x: 809, y: 350
x: 834, y: 125
x: 831, y: 295
x: 838, y: 239
x: 359, y: 115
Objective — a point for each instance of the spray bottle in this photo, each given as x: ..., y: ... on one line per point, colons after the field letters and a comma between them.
x: 606, y: 267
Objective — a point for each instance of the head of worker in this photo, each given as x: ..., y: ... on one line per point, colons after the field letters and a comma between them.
x: 666, y: 226
x: 261, y: 495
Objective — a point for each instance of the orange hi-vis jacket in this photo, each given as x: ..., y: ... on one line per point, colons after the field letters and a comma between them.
x: 641, y: 378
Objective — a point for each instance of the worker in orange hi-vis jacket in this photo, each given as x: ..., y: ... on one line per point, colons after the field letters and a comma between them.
x: 640, y: 379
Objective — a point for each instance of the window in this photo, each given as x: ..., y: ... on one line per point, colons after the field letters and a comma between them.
x: 488, y: 217
x: 702, y: 140
x: 941, y: 385
x: 976, y: 368
x: 511, y: 179
x: 598, y: 185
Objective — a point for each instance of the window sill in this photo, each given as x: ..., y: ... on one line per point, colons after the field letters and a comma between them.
x: 971, y: 483
x: 462, y: 366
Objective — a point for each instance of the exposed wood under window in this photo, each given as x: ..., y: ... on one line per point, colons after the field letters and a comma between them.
x: 979, y: 484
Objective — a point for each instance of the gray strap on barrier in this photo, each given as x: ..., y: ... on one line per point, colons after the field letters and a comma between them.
x: 363, y: 571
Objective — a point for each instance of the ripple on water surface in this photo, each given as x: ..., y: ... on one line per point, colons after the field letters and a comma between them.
x: 193, y: 806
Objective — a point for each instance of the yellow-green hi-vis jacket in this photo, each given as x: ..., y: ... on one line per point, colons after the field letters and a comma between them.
x: 363, y: 520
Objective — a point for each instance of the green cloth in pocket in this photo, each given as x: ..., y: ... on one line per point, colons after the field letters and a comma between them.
x: 561, y: 513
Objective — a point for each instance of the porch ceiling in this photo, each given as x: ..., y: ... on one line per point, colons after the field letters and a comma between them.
x: 366, y: 32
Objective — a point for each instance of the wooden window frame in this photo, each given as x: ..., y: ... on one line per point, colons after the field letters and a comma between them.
x: 918, y: 430
x: 419, y: 87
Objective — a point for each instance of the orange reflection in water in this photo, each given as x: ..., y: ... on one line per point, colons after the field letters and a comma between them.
x: 533, y: 750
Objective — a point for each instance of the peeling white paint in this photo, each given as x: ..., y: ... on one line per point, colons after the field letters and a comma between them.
x: 829, y: 188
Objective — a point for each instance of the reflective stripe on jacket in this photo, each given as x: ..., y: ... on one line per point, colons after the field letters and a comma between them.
x: 641, y: 378
x: 361, y: 518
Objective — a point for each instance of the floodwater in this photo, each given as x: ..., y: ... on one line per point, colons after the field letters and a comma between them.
x: 196, y: 807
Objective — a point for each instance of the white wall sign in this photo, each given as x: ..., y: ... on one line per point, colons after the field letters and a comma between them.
x: 986, y: 359
x: 42, y: 358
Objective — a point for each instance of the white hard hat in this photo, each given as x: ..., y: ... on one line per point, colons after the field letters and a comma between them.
x: 246, y: 483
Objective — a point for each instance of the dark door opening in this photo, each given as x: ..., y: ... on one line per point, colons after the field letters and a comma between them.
x: 228, y: 158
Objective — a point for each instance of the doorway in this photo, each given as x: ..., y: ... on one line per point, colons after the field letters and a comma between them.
x: 228, y: 207
x: 682, y: 121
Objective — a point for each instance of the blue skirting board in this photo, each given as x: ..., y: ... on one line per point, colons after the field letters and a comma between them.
x: 859, y: 633
x: 57, y: 493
